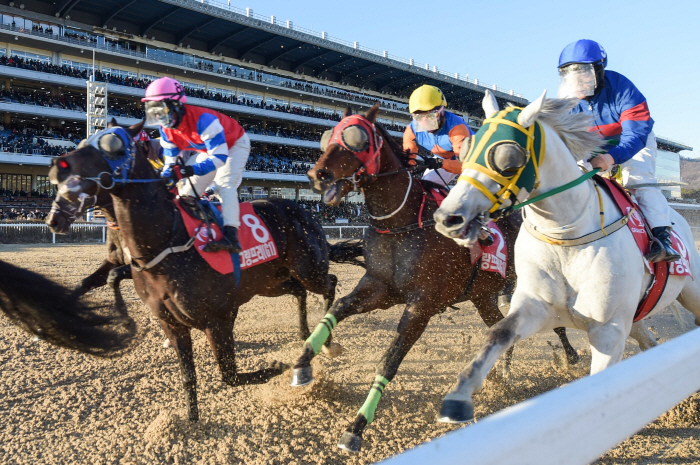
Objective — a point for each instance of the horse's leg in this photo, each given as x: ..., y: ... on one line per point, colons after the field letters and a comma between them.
x: 369, y: 294
x: 490, y: 313
x: 331, y: 349
x: 220, y: 336
x: 607, y: 344
x: 643, y: 336
x: 114, y: 278
x: 527, y: 316
x: 181, y: 340
x: 95, y: 280
x: 572, y: 356
x: 411, y: 326
x: 690, y: 296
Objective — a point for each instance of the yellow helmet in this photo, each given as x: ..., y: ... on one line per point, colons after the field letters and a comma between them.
x: 425, y: 98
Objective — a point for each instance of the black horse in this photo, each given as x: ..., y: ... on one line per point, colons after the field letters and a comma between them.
x: 117, y: 265
x: 182, y: 290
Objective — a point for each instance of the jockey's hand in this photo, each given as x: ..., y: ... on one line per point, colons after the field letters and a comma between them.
x: 433, y: 163
x: 167, y: 171
x: 604, y: 161
x: 183, y: 171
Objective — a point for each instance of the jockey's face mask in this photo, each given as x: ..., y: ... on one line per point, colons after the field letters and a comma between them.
x: 428, y: 121
x: 577, y: 80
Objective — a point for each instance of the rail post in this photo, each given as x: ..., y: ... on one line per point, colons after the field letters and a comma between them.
x: 53, y: 238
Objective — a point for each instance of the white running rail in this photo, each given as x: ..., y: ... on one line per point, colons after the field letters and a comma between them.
x: 579, y: 422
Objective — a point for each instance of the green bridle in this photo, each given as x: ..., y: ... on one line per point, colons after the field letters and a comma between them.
x: 514, y: 179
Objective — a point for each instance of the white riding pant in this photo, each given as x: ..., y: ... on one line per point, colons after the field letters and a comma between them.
x: 439, y: 176
x: 641, y: 169
x: 227, y: 179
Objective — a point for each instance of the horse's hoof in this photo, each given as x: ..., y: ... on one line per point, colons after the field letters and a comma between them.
x: 302, y: 376
x: 334, y: 350
x: 456, y: 411
x: 167, y: 343
x: 350, y: 442
x: 504, y: 302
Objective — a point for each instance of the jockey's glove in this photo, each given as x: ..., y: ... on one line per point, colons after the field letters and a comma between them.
x: 433, y: 163
x: 167, y: 171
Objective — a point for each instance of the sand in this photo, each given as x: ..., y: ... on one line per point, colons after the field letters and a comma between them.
x: 58, y: 406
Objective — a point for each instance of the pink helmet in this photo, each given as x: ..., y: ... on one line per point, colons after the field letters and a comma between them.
x: 165, y: 88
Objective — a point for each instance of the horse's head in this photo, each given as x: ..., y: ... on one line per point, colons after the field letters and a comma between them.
x: 500, y: 165
x: 351, y: 151
x: 64, y: 212
x: 99, y: 163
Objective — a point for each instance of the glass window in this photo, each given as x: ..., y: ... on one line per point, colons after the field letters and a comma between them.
x: 119, y: 72
x: 78, y: 65
x: 222, y: 92
x: 16, y: 183
x: 44, y: 186
x: 148, y: 77
x: 192, y: 86
x: 276, y: 101
x: 252, y: 97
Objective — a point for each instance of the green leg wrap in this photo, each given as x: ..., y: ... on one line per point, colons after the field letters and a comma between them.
x: 375, y: 393
x: 321, y: 333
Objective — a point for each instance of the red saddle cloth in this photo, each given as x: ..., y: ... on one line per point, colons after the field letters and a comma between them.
x: 641, y: 232
x: 494, y: 258
x: 257, y: 243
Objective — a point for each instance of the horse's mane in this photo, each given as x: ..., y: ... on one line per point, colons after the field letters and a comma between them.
x: 573, y: 128
x: 393, y: 145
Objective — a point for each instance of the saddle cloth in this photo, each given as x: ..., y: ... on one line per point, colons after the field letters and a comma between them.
x: 642, y: 236
x: 494, y: 257
x: 257, y: 244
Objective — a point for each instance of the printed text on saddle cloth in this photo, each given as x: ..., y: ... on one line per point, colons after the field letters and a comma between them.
x: 494, y: 257
x: 256, y: 241
x: 636, y: 225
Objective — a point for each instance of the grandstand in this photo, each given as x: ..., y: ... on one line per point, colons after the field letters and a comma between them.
x: 286, y: 85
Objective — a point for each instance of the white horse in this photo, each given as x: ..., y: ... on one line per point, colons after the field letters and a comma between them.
x: 595, y: 286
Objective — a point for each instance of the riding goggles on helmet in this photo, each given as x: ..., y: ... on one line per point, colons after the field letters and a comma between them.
x: 358, y: 135
x: 428, y: 121
x: 160, y: 113
x: 577, y: 80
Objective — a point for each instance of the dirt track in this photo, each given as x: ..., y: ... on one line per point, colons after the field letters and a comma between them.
x: 57, y: 406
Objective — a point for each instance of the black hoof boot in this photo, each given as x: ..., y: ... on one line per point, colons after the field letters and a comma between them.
x: 302, y: 376
x: 350, y: 442
x: 456, y: 411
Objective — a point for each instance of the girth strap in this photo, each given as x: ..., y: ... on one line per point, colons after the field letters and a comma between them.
x: 159, y: 258
x: 592, y: 237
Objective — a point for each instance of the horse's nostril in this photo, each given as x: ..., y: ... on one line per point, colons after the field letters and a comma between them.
x: 53, y: 223
x: 454, y: 220
x: 324, y: 175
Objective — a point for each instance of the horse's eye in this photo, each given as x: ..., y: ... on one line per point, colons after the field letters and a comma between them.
x: 62, y: 165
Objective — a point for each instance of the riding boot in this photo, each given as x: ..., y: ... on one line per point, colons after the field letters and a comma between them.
x: 661, y: 248
x: 228, y: 243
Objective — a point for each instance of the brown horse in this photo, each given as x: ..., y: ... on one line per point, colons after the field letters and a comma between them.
x: 182, y: 290
x: 408, y: 262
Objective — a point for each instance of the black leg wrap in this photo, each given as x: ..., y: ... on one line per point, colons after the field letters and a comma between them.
x: 456, y: 411
x: 351, y: 439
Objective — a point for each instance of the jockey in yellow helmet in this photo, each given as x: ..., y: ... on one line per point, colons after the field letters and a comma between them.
x: 437, y: 131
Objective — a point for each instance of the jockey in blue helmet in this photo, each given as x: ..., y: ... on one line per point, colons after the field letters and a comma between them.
x: 622, y: 117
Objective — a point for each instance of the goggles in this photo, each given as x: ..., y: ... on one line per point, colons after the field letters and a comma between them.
x: 428, y: 121
x: 158, y: 113
x: 577, y: 80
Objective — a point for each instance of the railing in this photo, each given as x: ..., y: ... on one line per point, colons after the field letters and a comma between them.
x: 39, y: 233
x: 579, y: 422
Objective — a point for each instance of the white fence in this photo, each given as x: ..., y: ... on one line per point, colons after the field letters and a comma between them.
x: 577, y: 423
x: 25, y: 233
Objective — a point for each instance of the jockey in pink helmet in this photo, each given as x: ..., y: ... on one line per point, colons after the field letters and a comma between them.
x: 213, y: 146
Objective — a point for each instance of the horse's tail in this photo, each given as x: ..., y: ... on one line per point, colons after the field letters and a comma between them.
x: 347, y: 251
x: 44, y: 308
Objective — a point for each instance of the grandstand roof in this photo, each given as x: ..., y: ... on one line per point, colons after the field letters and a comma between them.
x: 209, y: 29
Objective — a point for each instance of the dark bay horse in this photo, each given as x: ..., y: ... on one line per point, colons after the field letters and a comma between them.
x: 408, y: 261
x: 117, y: 265
x: 46, y: 309
x: 182, y: 290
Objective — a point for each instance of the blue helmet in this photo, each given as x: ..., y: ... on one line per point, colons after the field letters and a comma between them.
x: 583, y: 51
